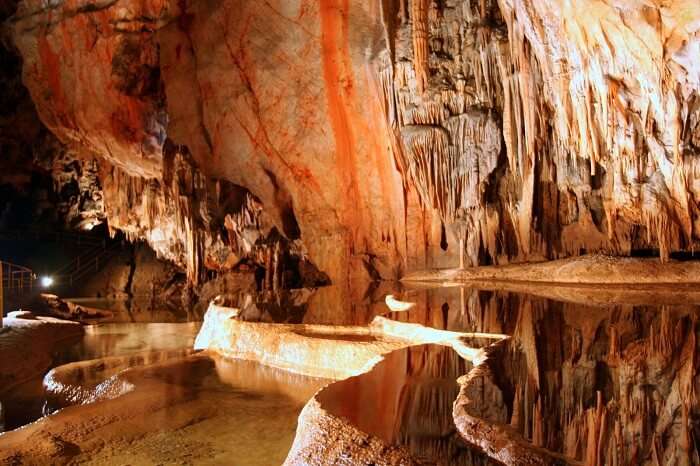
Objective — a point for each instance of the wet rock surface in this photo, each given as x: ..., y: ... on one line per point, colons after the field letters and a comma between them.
x: 629, y: 273
x: 31, y: 340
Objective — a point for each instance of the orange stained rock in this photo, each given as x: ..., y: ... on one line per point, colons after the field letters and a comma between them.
x: 339, y: 82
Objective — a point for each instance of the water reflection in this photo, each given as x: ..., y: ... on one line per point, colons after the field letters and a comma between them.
x: 137, y: 308
x: 407, y: 400
x: 600, y: 382
x: 331, y: 305
x: 119, y: 339
x: 355, y: 304
x: 27, y: 402
x: 603, y: 376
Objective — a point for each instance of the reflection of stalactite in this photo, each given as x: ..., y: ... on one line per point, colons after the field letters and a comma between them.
x: 661, y: 336
x: 538, y: 438
x: 596, y: 432
x: 688, y: 396
x: 616, y: 384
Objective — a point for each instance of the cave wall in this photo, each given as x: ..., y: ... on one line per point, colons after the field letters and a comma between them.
x: 306, y: 138
x: 42, y: 182
x: 377, y: 137
x: 597, y: 107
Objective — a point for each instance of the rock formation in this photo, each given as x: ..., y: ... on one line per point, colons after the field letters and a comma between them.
x: 377, y: 137
x: 41, y: 180
x: 599, y: 138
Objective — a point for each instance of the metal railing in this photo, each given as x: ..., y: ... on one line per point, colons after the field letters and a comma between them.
x: 88, y: 262
x: 20, y: 282
x: 16, y: 279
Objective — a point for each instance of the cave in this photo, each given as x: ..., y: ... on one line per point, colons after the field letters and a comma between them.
x: 359, y: 232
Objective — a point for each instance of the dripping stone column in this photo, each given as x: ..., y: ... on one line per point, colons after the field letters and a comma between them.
x: 419, y: 18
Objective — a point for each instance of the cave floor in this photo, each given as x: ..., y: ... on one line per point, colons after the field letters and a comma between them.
x: 597, y: 269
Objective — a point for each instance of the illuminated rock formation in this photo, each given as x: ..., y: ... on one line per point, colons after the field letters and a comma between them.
x: 298, y: 143
x: 379, y: 137
x: 600, y: 139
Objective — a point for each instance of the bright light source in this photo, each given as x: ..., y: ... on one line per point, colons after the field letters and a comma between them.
x: 46, y: 281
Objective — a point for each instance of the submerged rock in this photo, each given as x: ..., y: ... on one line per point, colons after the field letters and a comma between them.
x: 27, y: 344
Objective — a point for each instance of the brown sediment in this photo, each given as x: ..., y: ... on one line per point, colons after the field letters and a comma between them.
x: 190, y: 401
x: 27, y: 343
x: 593, y: 270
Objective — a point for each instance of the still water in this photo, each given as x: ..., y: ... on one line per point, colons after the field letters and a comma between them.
x: 407, y: 400
x: 607, y: 376
x: 603, y: 375
x: 26, y: 402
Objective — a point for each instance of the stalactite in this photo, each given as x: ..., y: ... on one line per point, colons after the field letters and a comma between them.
x: 569, y: 113
x: 614, y: 349
x: 181, y: 217
x: 419, y: 22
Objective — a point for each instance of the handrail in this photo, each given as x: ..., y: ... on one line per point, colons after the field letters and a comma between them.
x: 15, y: 266
x: 75, y: 263
x: 16, y: 278
x: 88, y: 264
